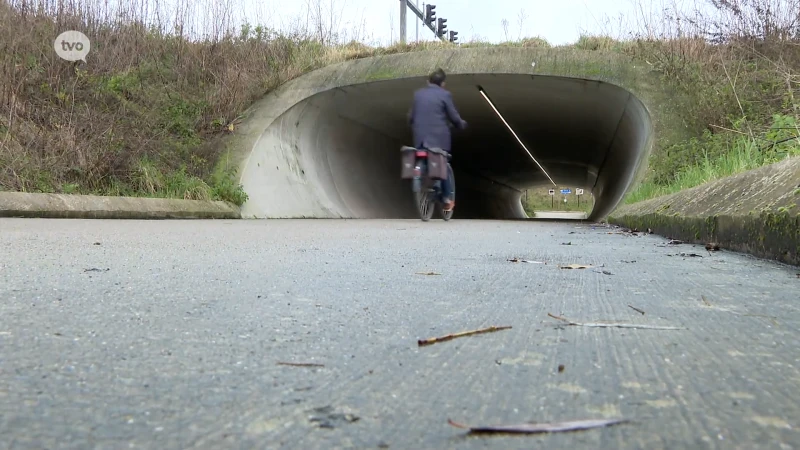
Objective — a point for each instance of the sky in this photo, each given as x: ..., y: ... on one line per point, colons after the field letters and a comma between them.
x: 377, y: 21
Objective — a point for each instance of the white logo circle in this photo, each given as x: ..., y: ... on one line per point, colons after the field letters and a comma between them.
x: 72, y: 45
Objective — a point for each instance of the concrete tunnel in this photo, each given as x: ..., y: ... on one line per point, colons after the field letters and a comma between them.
x: 339, y: 149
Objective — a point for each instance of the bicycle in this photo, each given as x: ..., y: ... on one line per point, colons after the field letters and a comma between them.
x: 427, y: 189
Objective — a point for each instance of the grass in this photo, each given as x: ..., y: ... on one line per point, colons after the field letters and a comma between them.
x: 727, y: 154
x: 736, y: 75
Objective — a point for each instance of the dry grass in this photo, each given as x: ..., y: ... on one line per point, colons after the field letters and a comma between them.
x: 736, y: 64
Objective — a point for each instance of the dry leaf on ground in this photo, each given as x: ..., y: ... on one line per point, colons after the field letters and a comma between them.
x: 575, y: 266
x: 518, y: 260
x: 613, y: 324
x: 530, y: 428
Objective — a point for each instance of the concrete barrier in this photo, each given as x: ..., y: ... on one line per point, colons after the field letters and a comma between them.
x: 755, y: 212
x: 34, y: 205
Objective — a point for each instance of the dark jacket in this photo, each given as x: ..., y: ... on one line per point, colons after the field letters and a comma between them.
x: 430, y: 118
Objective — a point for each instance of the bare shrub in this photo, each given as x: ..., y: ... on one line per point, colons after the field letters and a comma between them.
x: 736, y: 62
x: 160, y: 84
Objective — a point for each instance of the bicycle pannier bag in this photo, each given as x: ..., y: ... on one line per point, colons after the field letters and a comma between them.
x: 407, y: 160
x: 437, y: 166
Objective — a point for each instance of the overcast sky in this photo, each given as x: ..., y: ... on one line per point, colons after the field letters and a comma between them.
x: 558, y: 21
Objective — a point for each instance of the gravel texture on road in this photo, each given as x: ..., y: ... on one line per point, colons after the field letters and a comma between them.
x: 169, y: 334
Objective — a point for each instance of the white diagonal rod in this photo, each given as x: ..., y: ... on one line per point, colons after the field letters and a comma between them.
x: 515, y: 135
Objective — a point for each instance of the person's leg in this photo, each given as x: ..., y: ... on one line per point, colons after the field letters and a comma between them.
x: 447, y: 190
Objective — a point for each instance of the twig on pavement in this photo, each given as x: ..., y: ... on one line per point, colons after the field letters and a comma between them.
x: 448, y: 337
x: 300, y: 364
x: 636, y: 309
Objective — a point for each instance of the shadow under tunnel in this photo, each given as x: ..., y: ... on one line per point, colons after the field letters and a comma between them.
x: 346, y: 143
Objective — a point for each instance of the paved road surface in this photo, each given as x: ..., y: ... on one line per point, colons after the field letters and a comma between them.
x: 172, y: 340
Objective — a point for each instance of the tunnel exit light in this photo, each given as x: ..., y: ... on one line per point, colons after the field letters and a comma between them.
x: 480, y: 89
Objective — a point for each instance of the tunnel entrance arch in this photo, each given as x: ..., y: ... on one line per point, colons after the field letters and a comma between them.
x: 335, y: 153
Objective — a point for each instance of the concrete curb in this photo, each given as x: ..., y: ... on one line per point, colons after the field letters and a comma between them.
x: 768, y: 235
x: 755, y: 212
x: 61, y: 206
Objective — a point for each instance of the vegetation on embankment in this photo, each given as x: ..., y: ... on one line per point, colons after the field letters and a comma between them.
x: 756, y: 212
x: 144, y: 116
x: 736, y: 70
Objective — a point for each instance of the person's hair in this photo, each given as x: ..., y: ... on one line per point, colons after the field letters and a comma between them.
x: 437, y: 77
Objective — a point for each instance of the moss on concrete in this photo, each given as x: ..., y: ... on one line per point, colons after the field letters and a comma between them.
x: 767, y: 235
x: 755, y: 212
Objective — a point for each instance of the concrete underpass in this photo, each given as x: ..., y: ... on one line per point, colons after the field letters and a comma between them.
x: 219, y: 334
x: 335, y: 152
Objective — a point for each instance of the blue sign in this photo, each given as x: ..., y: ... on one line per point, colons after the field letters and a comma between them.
x: 566, y: 191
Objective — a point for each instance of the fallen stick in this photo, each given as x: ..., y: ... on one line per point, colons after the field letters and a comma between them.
x: 300, y: 364
x: 636, y: 309
x: 613, y: 325
x: 422, y: 342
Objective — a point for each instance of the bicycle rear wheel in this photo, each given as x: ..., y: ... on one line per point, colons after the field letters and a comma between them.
x: 425, y: 203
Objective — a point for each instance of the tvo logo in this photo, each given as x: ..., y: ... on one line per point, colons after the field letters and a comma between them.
x: 72, y: 46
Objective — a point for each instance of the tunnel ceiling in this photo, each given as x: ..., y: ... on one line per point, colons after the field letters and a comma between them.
x: 586, y: 134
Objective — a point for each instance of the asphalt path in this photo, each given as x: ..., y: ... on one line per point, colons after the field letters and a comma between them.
x: 171, y: 334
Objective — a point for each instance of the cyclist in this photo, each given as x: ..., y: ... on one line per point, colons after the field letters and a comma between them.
x: 431, y: 115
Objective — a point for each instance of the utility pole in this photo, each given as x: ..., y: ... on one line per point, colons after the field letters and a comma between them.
x: 416, y: 22
x: 403, y: 9
x: 428, y: 18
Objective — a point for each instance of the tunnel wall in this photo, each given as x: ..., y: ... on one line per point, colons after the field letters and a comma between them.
x: 292, y: 178
x: 627, y: 136
x: 315, y: 162
x: 283, y: 179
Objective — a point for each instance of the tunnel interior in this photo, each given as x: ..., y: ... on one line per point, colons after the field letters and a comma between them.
x: 342, y: 146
